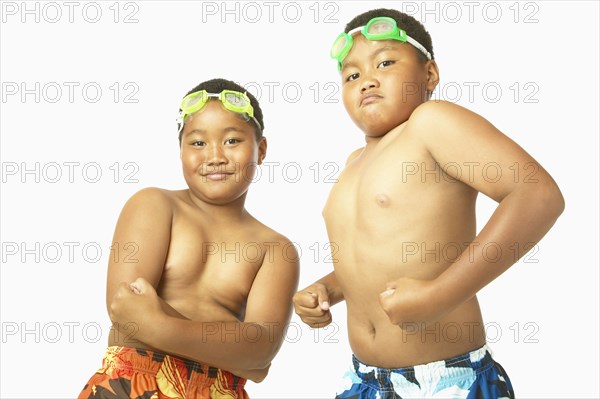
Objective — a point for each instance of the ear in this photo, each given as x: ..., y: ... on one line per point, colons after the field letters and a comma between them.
x: 433, y: 76
x: 262, y: 150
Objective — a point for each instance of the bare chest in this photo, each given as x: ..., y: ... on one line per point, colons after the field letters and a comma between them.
x: 210, y: 270
x: 394, y: 181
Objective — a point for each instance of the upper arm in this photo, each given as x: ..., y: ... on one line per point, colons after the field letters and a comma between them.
x: 472, y: 150
x: 141, y: 240
x: 270, y: 298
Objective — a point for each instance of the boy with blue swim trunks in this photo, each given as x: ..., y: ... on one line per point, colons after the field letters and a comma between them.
x: 402, y: 215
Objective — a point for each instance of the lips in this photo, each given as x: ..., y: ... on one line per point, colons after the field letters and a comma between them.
x: 215, y: 176
x: 369, y: 98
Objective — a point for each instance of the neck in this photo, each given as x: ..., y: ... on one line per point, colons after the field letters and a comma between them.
x: 372, y: 141
x: 229, y: 212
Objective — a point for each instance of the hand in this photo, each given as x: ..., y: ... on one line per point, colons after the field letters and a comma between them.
x: 407, y: 300
x: 136, y: 303
x: 312, y: 305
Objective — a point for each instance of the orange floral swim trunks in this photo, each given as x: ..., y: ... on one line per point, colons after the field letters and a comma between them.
x: 142, y: 374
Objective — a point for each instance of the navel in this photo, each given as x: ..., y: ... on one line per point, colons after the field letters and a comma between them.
x: 382, y: 200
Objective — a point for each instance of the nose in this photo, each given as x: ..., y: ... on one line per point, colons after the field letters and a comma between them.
x: 217, y: 156
x: 369, y: 81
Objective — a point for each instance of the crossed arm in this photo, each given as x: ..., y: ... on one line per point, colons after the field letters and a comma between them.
x: 245, y: 348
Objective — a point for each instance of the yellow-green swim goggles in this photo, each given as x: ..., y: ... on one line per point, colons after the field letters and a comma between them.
x: 379, y: 28
x: 232, y: 100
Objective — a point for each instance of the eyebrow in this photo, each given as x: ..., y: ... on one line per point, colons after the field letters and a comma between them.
x: 372, y: 55
x: 225, y: 130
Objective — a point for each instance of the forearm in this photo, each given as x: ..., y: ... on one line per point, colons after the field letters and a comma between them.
x: 520, y: 221
x: 169, y: 310
x: 334, y: 290
x: 227, y: 345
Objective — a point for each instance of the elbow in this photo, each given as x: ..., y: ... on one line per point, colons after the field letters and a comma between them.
x: 262, y: 350
x: 552, y: 200
x: 258, y: 360
x: 263, y: 356
x: 260, y: 364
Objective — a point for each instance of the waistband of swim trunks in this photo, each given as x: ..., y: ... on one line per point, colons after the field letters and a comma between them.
x: 476, y: 361
x: 152, y: 362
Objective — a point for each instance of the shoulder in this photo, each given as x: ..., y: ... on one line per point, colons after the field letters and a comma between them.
x: 282, y: 260
x: 440, y: 113
x: 151, y: 201
x: 440, y: 106
x: 278, y: 248
x: 354, y: 154
x: 151, y: 195
x: 272, y: 237
x: 436, y: 119
x: 147, y: 216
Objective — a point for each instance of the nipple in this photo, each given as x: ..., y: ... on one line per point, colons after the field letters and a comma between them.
x: 382, y: 200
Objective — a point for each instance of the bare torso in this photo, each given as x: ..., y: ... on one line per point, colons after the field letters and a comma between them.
x: 210, y: 265
x: 394, y: 213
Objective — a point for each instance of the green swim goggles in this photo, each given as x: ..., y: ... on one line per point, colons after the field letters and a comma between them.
x: 379, y: 28
x: 232, y: 100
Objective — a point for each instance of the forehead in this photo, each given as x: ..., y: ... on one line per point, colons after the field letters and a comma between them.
x: 213, y: 116
x: 363, y: 49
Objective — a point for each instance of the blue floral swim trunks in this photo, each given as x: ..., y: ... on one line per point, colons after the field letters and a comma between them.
x: 472, y: 375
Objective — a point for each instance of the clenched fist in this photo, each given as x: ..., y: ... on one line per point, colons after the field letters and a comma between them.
x: 312, y: 305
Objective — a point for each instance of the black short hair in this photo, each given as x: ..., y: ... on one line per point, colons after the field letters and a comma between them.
x: 410, y: 25
x: 217, y: 86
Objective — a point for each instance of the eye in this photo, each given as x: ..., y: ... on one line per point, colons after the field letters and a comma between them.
x: 352, y: 77
x: 198, y: 144
x: 386, y: 63
x: 232, y: 141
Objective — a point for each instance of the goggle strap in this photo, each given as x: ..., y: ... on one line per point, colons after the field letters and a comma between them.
x: 180, y: 121
x: 257, y: 124
x: 358, y: 29
x: 418, y: 46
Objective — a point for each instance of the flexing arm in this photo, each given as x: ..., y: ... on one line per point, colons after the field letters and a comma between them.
x: 529, y: 204
x: 312, y: 303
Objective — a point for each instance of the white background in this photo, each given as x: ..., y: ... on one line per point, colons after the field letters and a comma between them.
x: 542, y: 314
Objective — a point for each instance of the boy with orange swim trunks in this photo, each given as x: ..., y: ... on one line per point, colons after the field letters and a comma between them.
x: 191, y: 318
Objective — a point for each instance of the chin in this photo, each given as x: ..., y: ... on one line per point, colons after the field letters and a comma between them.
x: 377, y: 127
x: 378, y: 130
x: 222, y: 198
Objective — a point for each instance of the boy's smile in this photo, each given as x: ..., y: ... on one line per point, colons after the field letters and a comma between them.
x: 383, y: 82
x: 219, y: 153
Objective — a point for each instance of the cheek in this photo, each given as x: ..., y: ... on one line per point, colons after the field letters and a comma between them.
x: 349, y: 100
x: 190, y: 159
x: 412, y: 86
x: 244, y: 156
x: 248, y: 172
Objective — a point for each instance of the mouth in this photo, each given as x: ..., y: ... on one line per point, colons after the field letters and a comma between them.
x: 369, y: 99
x: 215, y: 176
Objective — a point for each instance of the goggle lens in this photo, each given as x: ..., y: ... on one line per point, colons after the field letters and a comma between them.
x: 193, y: 100
x: 236, y: 100
x: 338, y: 45
x: 380, y: 27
